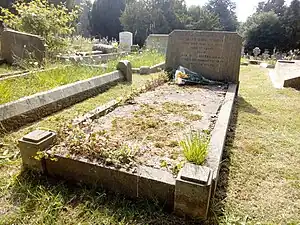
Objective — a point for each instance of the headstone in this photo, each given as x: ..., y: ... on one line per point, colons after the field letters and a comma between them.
x: 125, y: 41
x: 215, y: 55
x: 256, y: 51
x: 287, y: 72
x: 158, y: 42
x: 17, y: 46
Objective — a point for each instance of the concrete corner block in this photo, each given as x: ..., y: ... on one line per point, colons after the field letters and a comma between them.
x: 144, y: 70
x: 30, y: 144
x: 193, y: 191
x: 125, y: 67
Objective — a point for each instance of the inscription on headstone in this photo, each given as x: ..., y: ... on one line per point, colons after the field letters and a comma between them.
x: 215, y: 55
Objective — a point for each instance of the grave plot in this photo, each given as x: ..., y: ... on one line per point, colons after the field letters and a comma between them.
x: 147, y: 130
x: 286, y: 74
x: 157, y: 146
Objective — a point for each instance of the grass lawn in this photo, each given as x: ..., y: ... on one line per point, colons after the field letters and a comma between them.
x: 147, y: 58
x: 259, y: 179
x: 43, y: 81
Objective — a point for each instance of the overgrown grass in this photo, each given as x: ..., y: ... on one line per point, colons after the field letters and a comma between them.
x: 43, y: 81
x: 147, y: 58
x: 4, y: 68
x: 195, y: 147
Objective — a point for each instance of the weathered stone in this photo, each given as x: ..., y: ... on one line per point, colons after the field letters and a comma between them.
x: 126, y: 40
x: 30, y: 144
x: 157, y: 185
x: 135, y: 48
x: 254, y: 62
x: 215, y: 55
x: 157, y: 68
x: 125, y: 67
x: 157, y: 42
x: 80, y: 171
x: 193, y: 191
x: 219, y: 133
x: 144, y: 70
x: 16, y: 46
x: 104, y: 48
x: 293, y: 83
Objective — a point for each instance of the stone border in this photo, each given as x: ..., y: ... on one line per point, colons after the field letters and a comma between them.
x: 188, y: 195
x: 100, y: 58
x: 219, y: 134
x: 144, y: 70
x: 30, y: 108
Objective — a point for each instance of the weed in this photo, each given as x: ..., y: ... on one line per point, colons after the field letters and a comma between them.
x: 163, y: 164
x: 195, y: 147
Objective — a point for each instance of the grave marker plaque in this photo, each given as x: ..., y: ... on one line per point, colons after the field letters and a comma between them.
x: 215, y: 55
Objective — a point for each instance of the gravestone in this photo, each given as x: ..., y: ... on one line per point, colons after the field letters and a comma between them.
x: 158, y: 42
x: 125, y: 41
x: 287, y: 73
x: 17, y: 46
x: 215, y: 55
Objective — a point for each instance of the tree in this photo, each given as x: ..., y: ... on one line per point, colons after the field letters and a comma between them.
x: 44, y: 19
x: 291, y: 24
x: 105, y: 18
x: 225, y: 10
x: 202, y: 19
x: 263, y: 30
x: 83, y: 26
x: 153, y: 16
x: 277, y: 6
x: 137, y: 19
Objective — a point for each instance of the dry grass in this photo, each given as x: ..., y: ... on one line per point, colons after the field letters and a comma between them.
x: 261, y: 175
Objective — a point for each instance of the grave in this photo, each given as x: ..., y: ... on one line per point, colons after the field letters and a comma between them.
x: 215, y: 55
x: 158, y: 42
x: 16, y: 46
x: 126, y: 41
x: 286, y: 74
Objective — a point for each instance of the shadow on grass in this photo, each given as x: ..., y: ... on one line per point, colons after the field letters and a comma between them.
x: 245, y: 106
x: 43, y: 200
x: 218, y: 203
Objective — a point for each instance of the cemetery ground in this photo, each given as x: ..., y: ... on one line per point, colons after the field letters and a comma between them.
x: 259, y: 180
x: 49, y: 79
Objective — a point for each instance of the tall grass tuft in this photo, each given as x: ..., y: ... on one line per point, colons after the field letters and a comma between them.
x: 195, y: 147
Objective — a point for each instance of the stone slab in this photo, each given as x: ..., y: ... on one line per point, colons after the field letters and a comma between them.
x: 16, y: 46
x: 196, y: 174
x: 37, y: 136
x: 215, y: 55
x: 157, y: 185
x: 292, y: 83
x: 12, y: 114
x: 219, y: 133
x: 157, y: 42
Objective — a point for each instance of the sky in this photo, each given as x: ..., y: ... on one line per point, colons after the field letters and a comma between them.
x: 244, y: 8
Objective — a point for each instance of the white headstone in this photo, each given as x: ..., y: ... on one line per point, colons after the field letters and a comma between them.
x: 125, y: 40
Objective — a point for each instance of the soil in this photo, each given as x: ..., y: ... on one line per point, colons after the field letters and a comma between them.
x: 146, y: 130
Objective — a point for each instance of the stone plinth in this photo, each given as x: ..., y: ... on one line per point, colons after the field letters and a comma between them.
x: 31, y: 144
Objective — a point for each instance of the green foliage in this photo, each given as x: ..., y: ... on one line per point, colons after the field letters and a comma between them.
x: 153, y: 16
x: 105, y: 18
x: 44, y: 19
x: 195, y: 148
x: 226, y: 11
x: 202, y: 19
x: 263, y: 30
